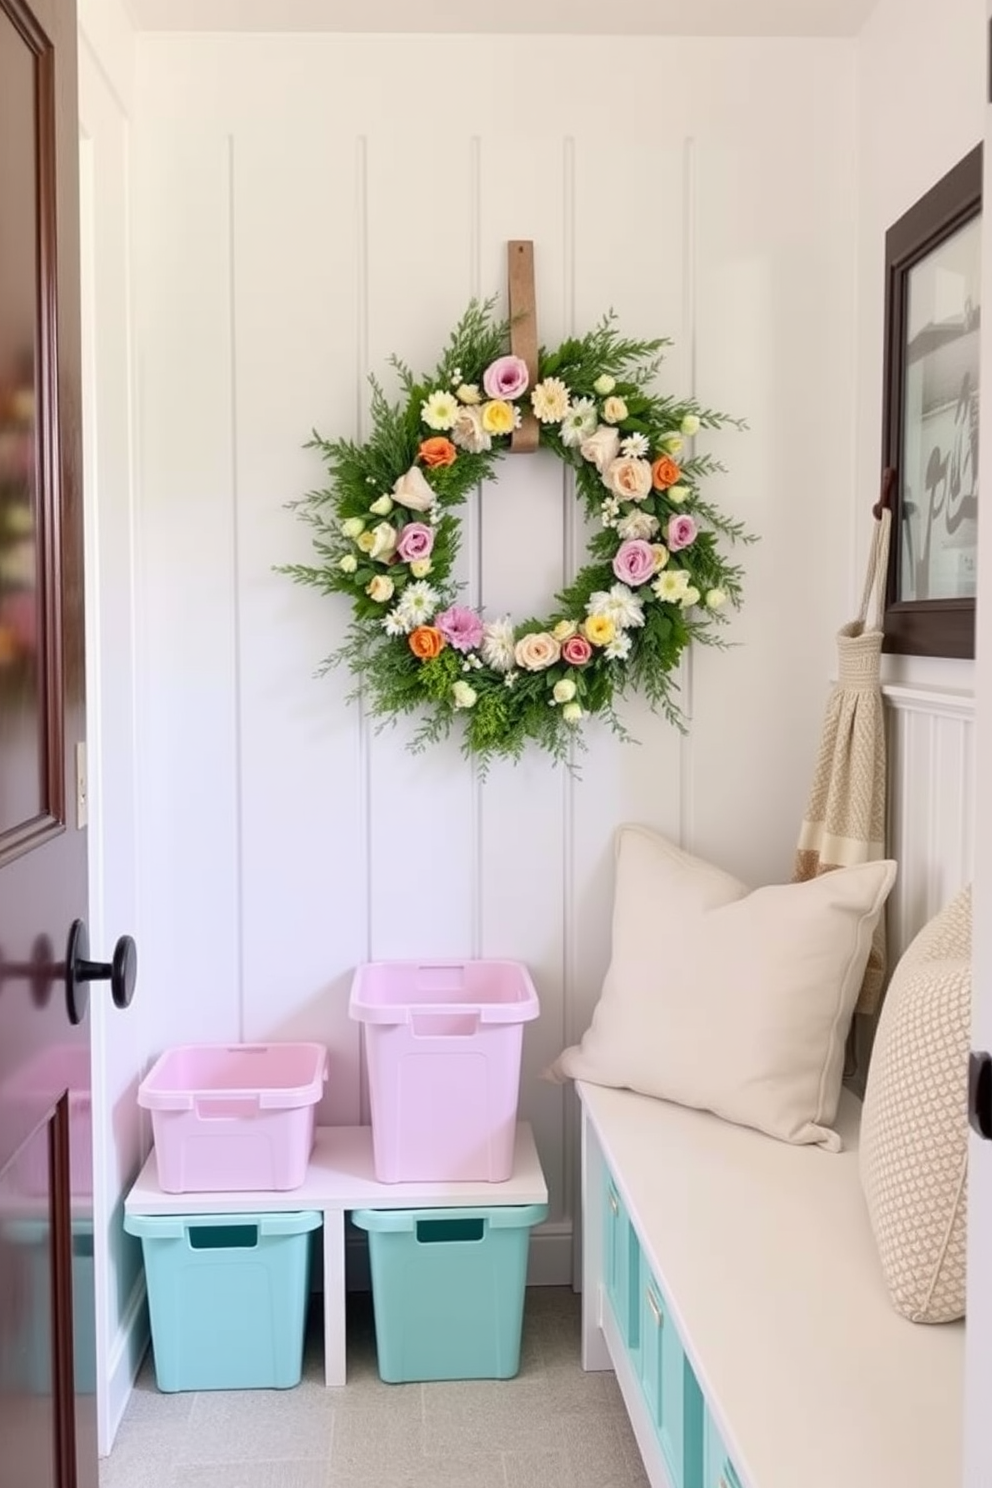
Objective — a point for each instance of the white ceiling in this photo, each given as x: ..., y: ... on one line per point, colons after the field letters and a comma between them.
x: 527, y: 17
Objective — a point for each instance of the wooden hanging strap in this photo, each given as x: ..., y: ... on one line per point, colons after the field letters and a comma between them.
x: 523, y: 334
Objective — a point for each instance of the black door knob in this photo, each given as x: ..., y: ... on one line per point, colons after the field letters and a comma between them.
x: 121, y: 972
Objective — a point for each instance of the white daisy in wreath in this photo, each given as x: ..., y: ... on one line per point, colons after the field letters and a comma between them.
x: 550, y: 400
x: 419, y: 602
x: 497, y: 644
x: 580, y: 421
x: 619, y: 604
x: 619, y: 648
x: 440, y: 410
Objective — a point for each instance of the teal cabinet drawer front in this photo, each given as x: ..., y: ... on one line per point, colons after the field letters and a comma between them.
x: 719, y: 1471
x: 653, y: 1346
x: 633, y: 1296
x: 653, y: 1322
x: 694, y: 1428
x: 622, y: 1266
x: 670, y: 1388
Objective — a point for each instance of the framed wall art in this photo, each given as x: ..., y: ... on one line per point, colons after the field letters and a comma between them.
x: 930, y: 415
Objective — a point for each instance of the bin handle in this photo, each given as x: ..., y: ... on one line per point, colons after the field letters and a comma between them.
x: 453, y: 1024
x: 289, y: 1224
x: 221, y: 1107
x: 177, y: 1227
x: 232, y: 1232
x: 165, y: 1229
x: 468, y: 1231
x: 498, y: 1217
x: 528, y: 1215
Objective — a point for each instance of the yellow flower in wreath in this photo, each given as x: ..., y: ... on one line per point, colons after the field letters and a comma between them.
x: 599, y: 630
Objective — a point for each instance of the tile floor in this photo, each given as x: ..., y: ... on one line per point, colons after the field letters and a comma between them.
x: 554, y: 1426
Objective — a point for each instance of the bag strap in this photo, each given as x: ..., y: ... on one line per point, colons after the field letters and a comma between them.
x: 878, y: 570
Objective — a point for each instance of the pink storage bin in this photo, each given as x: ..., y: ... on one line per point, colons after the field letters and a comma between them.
x: 234, y: 1117
x: 442, y: 1047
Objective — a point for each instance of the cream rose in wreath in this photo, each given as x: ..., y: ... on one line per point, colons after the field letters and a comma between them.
x: 386, y: 534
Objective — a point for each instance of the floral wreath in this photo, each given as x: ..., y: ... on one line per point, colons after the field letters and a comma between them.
x: 386, y: 533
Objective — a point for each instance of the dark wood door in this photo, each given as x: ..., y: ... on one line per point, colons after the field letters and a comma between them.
x: 47, y: 1400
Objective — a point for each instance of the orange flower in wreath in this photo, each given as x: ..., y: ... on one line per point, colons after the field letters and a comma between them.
x: 665, y: 472
x: 426, y: 642
x: 437, y: 451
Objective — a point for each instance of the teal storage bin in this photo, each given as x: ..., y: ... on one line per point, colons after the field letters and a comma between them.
x: 448, y: 1289
x: 227, y: 1295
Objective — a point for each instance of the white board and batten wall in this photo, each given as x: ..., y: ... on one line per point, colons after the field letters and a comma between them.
x: 294, y: 208
x: 305, y: 206
x: 291, y: 231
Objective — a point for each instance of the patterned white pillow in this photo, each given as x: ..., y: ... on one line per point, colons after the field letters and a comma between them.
x: 914, y: 1128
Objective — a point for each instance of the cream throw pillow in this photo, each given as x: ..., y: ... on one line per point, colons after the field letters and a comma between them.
x: 732, y: 1001
x: 914, y: 1127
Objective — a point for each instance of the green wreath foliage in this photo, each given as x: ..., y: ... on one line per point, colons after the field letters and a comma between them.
x: 386, y: 533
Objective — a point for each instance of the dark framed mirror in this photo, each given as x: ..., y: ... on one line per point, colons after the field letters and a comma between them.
x: 930, y: 415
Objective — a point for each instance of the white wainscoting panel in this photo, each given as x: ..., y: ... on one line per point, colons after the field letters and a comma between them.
x: 931, y: 744
x: 308, y: 205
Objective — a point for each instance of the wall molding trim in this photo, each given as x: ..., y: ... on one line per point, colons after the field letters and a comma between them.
x: 943, y: 702
x: 128, y: 1350
x: 714, y: 18
x: 932, y: 765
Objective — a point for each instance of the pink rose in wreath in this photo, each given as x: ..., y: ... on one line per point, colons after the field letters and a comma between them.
x: 633, y: 562
x: 416, y: 540
x: 576, y: 650
x: 681, y: 532
x: 506, y: 377
x: 461, y: 627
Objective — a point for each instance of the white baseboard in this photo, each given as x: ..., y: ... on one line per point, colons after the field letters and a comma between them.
x: 549, y: 1261
x: 129, y: 1348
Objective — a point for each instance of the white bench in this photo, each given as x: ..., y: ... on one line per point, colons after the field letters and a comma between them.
x: 340, y: 1178
x: 759, y: 1260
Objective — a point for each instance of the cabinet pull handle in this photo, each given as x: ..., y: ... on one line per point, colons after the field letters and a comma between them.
x: 659, y: 1318
x: 613, y: 1202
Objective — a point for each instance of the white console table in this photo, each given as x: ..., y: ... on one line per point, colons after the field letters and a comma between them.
x: 340, y: 1178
